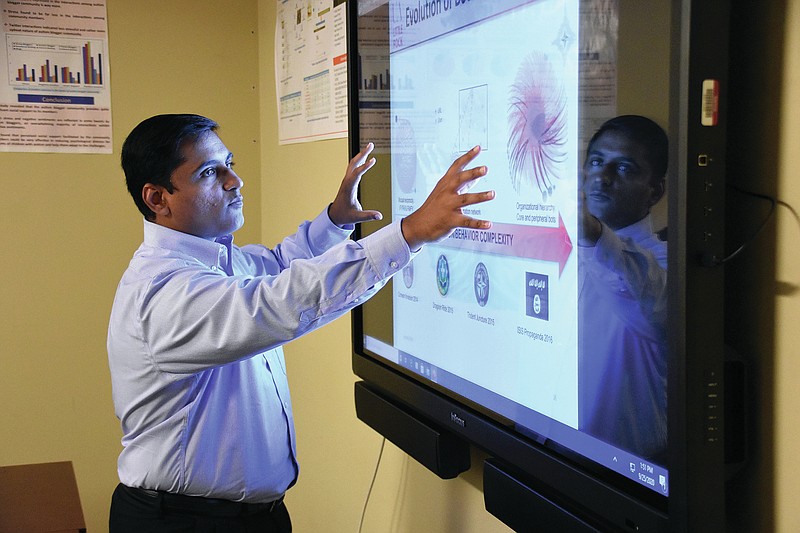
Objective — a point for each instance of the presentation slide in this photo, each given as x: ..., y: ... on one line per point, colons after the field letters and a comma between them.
x: 497, y: 308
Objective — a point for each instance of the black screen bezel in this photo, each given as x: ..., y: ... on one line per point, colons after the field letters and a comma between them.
x: 696, y: 233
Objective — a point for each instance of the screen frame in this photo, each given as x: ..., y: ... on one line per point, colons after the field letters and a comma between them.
x: 696, y: 368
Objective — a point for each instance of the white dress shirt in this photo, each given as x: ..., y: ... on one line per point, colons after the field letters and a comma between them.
x: 622, y: 302
x: 199, y: 381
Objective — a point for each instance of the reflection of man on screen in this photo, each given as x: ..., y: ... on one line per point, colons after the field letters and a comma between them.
x: 622, y: 288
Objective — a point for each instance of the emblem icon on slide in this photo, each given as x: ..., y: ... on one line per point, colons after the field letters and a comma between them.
x: 408, y: 275
x: 442, y: 275
x: 537, y: 295
x: 481, y: 283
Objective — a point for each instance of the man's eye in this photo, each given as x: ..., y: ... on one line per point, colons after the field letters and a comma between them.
x: 595, y: 162
x: 210, y: 171
x: 629, y: 169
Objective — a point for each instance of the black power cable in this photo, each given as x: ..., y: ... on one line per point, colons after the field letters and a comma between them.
x: 713, y: 262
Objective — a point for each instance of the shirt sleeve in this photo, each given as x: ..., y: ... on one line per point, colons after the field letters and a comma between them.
x: 633, y: 269
x: 195, y: 318
x: 311, y: 239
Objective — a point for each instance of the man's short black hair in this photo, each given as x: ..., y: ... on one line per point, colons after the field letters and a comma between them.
x: 152, y: 152
x: 645, y: 132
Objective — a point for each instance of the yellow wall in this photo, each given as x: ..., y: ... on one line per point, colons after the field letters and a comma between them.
x: 337, y: 452
x: 787, y: 303
x: 763, y: 300
x: 70, y: 229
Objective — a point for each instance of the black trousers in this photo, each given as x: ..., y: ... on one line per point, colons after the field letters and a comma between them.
x: 141, y: 511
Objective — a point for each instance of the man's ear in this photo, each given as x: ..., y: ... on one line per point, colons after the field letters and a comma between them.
x: 657, y: 192
x: 154, y: 197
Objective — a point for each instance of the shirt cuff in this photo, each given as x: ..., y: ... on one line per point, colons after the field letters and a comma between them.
x: 387, y: 250
x: 323, y: 230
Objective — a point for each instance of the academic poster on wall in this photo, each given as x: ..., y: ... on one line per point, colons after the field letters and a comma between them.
x: 55, y: 96
x: 311, y: 70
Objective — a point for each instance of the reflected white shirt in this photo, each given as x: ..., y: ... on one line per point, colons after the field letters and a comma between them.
x: 198, y: 376
x: 622, y: 303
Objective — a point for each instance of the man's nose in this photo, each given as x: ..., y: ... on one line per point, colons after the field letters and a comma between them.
x: 233, y: 181
x: 602, y: 174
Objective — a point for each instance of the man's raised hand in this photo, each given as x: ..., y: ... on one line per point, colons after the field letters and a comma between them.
x: 441, y: 213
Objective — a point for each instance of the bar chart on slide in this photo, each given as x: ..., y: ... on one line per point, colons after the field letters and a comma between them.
x: 65, y: 62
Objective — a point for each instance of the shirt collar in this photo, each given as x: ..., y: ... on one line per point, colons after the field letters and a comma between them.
x: 642, y: 227
x: 213, y: 254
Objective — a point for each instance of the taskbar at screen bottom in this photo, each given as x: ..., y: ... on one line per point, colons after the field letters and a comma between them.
x: 530, y: 423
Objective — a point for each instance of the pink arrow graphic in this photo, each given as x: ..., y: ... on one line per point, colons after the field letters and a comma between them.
x: 530, y: 242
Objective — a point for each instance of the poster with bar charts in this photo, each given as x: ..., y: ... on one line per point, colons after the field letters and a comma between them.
x: 311, y: 70
x: 55, y: 96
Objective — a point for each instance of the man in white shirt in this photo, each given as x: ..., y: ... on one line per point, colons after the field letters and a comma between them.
x: 622, y: 292
x: 197, y: 325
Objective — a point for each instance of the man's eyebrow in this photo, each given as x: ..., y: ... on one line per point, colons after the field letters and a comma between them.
x: 614, y: 156
x: 629, y: 160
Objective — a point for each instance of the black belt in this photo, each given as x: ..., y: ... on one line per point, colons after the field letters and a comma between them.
x: 169, y: 501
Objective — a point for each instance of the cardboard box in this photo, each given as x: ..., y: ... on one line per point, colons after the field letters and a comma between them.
x: 40, y: 498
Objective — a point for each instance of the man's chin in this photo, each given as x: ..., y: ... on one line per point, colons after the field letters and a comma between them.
x: 235, y: 224
x: 238, y: 225
x: 599, y: 210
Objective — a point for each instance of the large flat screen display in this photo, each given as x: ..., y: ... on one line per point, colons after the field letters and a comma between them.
x: 555, y: 322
